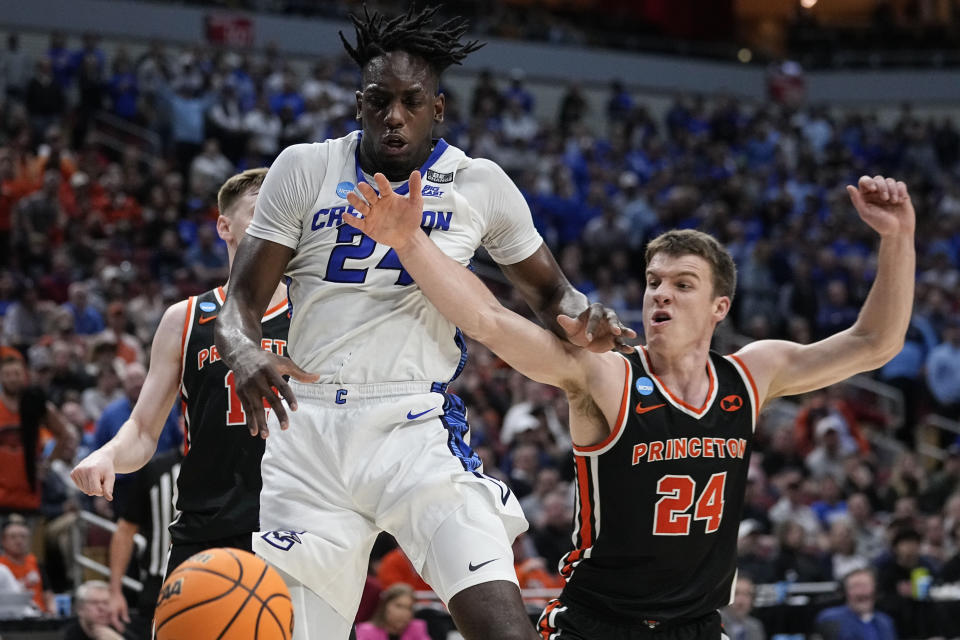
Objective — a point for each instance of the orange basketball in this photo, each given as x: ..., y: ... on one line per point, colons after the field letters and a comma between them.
x: 226, y: 594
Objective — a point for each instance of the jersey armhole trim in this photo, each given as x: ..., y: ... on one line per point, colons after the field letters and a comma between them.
x: 611, y: 439
x: 751, y: 386
x: 272, y: 312
x: 184, y: 337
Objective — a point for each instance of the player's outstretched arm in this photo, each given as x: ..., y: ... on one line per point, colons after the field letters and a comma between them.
x: 257, y: 269
x: 136, y: 441
x: 783, y: 368
x: 459, y: 295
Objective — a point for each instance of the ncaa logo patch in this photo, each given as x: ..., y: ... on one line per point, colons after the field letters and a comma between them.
x: 207, y: 307
x: 731, y: 403
x: 644, y: 386
x: 283, y: 540
x: 344, y: 188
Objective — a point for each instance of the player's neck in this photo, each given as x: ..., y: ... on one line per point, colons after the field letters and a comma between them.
x: 684, y: 371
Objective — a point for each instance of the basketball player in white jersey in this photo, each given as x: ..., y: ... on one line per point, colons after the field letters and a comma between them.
x: 377, y: 444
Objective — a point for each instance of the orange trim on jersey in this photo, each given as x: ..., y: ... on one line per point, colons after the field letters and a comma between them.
x: 222, y: 294
x: 618, y: 426
x: 544, y: 627
x: 279, y: 306
x: 706, y: 401
x: 186, y: 329
x: 586, y: 509
x: 753, y: 386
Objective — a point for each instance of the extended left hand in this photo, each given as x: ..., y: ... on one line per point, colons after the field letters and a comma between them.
x: 884, y: 204
x: 598, y: 329
x: 386, y: 217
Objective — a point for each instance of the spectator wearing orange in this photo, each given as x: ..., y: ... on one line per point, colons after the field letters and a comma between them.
x: 395, y: 568
x: 23, y: 412
x: 17, y: 557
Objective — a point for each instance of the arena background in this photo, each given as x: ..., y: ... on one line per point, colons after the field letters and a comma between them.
x: 617, y: 119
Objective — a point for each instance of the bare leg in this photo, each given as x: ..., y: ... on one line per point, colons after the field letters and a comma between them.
x: 491, y: 611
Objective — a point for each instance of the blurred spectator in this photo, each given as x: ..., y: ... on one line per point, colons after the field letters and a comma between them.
x: 395, y: 568
x: 93, y: 614
x: 23, y: 412
x: 858, y: 618
x: 797, y: 560
x: 263, y: 127
x: 943, y: 371
x: 843, y: 554
x: 210, y: 168
x: 207, y: 258
x: 950, y: 571
x: 532, y: 570
x: 736, y: 619
x: 905, y: 371
x: 23, y: 564
x: 896, y: 575
x: 393, y: 617
x: 827, y: 457
x: 754, y: 556
x: 87, y: 318
x: 25, y: 319
x: 485, y: 95
x: 226, y: 122
x: 792, y: 506
x: 551, y: 534
x: 831, y: 504
x: 944, y: 482
x: 128, y: 346
x: 14, y: 68
x: 45, y: 100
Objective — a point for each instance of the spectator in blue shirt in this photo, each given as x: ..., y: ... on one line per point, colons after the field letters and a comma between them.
x: 87, y: 319
x: 943, y: 371
x: 857, y: 619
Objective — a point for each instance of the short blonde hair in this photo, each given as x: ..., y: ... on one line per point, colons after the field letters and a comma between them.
x: 681, y: 242
x: 236, y: 186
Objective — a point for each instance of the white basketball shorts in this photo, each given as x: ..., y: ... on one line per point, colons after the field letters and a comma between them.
x: 358, y: 459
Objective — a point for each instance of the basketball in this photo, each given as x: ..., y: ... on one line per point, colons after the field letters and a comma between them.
x: 227, y: 594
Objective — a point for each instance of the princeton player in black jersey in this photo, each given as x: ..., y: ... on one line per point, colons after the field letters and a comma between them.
x: 219, y: 483
x: 662, y: 437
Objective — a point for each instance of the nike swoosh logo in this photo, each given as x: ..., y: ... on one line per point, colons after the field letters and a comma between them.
x: 206, y: 320
x: 642, y: 409
x: 413, y: 416
x: 474, y: 567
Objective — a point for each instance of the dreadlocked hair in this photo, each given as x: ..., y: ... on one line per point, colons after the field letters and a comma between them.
x: 440, y: 46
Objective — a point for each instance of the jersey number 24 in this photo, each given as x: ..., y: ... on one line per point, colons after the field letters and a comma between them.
x: 346, y: 249
x: 671, y: 517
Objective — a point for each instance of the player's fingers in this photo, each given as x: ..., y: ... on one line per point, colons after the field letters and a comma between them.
x: 368, y: 192
x: 616, y: 328
x: 384, y: 185
x: 902, y: 190
x: 107, y: 483
x: 622, y: 347
x: 881, y: 187
x: 253, y: 411
x: 358, y: 203
x: 571, y: 325
x: 89, y: 482
x: 277, y: 405
x: 855, y: 197
x: 867, y: 184
x: 892, y: 190
x: 288, y: 367
x: 416, y: 195
x: 595, y: 316
x: 281, y: 388
x: 355, y: 221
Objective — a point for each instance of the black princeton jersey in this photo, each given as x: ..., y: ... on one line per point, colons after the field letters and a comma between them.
x: 219, y: 483
x: 659, y: 501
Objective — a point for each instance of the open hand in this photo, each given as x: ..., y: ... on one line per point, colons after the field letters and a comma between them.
x: 260, y: 384
x: 597, y: 329
x: 387, y: 218
x: 884, y: 204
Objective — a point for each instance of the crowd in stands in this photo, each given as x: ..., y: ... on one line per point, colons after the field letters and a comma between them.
x: 96, y: 241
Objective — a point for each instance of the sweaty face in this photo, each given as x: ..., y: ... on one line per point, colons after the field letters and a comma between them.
x: 397, y: 106
x: 679, y: 305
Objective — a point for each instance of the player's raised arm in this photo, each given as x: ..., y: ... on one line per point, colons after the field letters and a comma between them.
x: 136, y: 441
x: 459, y: 295
x: 783, y: 368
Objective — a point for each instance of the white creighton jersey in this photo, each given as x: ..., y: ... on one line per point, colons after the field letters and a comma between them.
x: 357, y: 316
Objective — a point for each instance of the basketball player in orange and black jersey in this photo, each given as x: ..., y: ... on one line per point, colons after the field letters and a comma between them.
x: 662, y: 436
x: 219, y: 481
